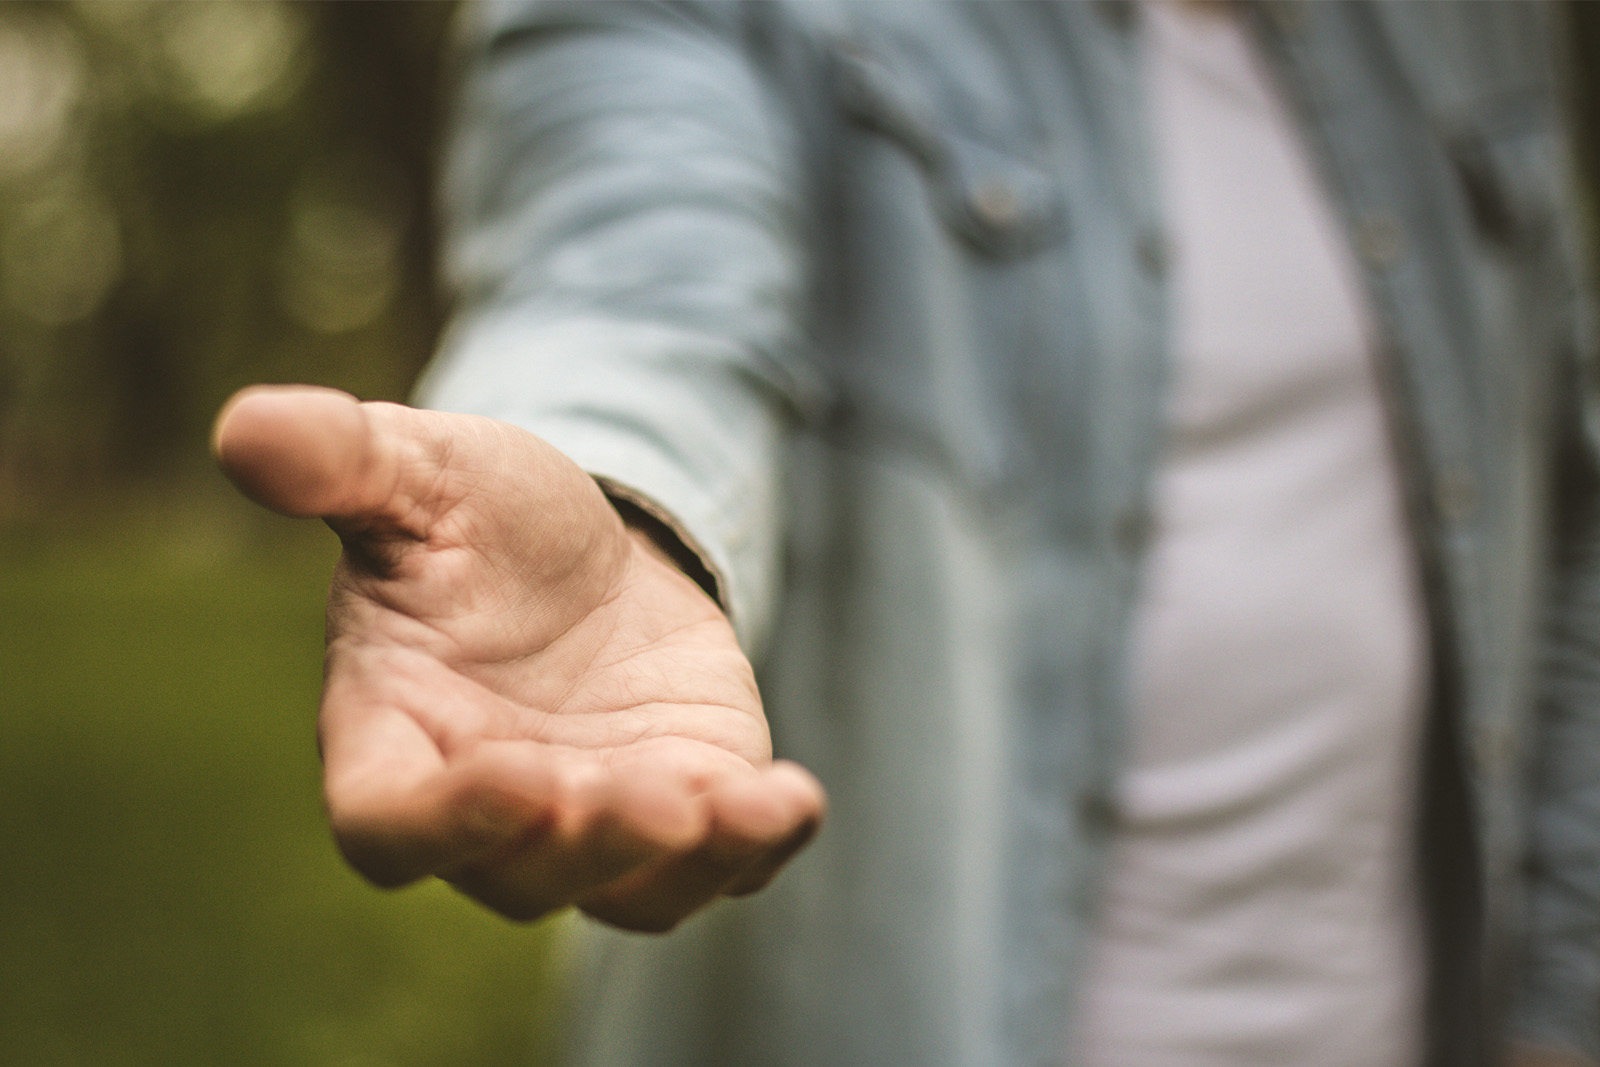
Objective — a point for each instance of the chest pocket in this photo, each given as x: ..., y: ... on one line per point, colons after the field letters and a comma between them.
x: 989, y: 195
x: 1481, y: 75
x: 955, y: 248
x: 1509, y: 163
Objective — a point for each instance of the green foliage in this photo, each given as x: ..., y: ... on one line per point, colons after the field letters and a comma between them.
x: 172, y: 896
x: 195, y: 196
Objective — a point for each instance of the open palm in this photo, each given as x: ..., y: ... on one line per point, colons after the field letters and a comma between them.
x: 523, y: 696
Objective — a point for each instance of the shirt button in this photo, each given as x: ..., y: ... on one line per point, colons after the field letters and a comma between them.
x: 1497, y: 748
x: 1132, y: 530
x: 1095, y: 810
x: 1290, y: 15
x: 995, y: 203
x: 1455, y: 493
x: 1380, y: 240
x: 1151, y: 252
x: 1118, y: 13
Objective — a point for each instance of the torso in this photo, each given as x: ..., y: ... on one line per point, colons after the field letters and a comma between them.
x: 1258, y: 907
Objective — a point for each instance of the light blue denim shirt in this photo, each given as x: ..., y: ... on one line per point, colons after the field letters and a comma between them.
x: 871, y: 302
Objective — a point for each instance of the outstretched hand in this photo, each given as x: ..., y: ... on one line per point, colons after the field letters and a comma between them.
x: 522, y: 697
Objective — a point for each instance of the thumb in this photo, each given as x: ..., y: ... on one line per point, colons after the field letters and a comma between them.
x: 385, y: 475
x: 306, y: 451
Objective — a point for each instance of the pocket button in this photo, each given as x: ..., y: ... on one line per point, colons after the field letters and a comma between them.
x: 995, y: 203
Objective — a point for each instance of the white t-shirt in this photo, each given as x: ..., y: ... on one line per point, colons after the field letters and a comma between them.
x: 1259, y: 906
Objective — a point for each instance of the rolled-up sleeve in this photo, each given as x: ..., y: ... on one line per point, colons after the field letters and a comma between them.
x: 623, y: 205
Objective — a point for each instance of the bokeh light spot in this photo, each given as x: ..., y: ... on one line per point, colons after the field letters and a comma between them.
x: 41, y: 79
x: 339, y: 268
x: 60, y: 254
x: 231, y: 58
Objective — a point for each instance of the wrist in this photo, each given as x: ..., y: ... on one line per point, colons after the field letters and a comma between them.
x: 657, y: 536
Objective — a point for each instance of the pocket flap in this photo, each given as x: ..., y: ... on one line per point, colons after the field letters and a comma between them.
x: 995, y: 199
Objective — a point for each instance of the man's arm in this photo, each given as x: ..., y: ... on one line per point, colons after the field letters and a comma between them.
x: 626, y: 205
x: 522, y: 696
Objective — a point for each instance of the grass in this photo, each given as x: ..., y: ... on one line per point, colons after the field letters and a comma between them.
x: 169, y: 893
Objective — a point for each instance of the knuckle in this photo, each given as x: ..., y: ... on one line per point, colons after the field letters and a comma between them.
x: 637, y: 918
x: 513, y: 902
x: 375, y: 861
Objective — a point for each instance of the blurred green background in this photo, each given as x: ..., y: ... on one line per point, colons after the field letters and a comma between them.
x: 195, y: 196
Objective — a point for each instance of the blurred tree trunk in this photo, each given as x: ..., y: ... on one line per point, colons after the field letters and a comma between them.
x: 213, y: 194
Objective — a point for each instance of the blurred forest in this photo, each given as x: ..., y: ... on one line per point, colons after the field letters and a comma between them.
x: 195, y: 196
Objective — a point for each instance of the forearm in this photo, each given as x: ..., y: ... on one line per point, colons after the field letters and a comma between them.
x: 631, y: 270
